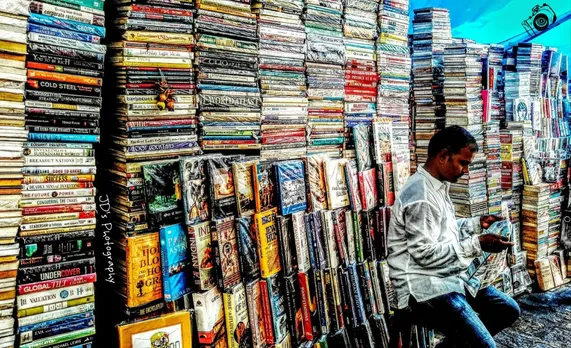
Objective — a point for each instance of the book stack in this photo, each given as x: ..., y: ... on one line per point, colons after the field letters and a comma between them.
x: 535, y: 223
x: 227, y: 75
x: 511, y: 142
x: 494, y: 85
x: 529, y: 59
x: 63, y: 105
x: 324, y: 61
x: 516, y: 93
x: 383, y: 154
x: 393, y: 60
x: 13, y: 48
x: 554, y: 229
x: 492, y: 150
x: 282, y: 78
x: 431, y: 32
x: 400, y: 148
x: 360, y: 32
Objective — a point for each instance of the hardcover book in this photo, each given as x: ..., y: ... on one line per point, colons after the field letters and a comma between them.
x: 170, y: 330
x: 268, y: 248
x: 277, y: 304
x: 174, y: 262
x: 293, y: 308
x: 209, y: 313
x: 225, y: 249
x: 288, y: 256
x: 382, y: 139
x: 255, y: 311
x: 353, y: 185
x: 248, y: 248
x: 195, y: 186
x: 237, y: 321
x: 163, y: 193
x: 340, y: 235
x: 244, y: 187
x: 316, y: 183
x: 362, y: 138
x: 337, y: 193
x: 264, y: 186
x: 144, y: 279
x: 291, y: 186
x: 300, y: 238
x: 202, y: 256
x: 368, y: 188
x: 222, y: 186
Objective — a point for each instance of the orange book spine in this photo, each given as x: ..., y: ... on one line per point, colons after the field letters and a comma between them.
x: 53, y: 76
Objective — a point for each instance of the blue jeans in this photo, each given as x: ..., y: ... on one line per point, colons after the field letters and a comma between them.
x: 456, y: 316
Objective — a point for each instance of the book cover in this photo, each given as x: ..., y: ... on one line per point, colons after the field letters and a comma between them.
x: 317, y: 240
x: 144, y: 279
x: 292, y: 297
x: 382, y: 139
x: 334, y: 307
x: 225, y: 250
x: 277, y: 305
x: 256, y: 315
x: 222, y: 197
x: 169, y: 330
x: 340, y: 235
x: 267, y: 313
x: 264, y: 186
x: 237, y: 322
x: 268, y: 245
x: 329, y: 239
x: 386, y: 184
x: 174, y: 262
x: 209, y: 314
x: 352, y: 177
x: 291, y: 186
x: 316, y: 183
x: 301, y: 242
x: 382, y: 218
x: 244, y: 187
x: 201, y: 256
x: 366, y: 286
x: 247, y: 248
x: 347, y: 305
x: 368, y: 188
x: 401, y: 166
x: 163, y: 193
x: 288, y: 256
x: 337, y: 193
x: 368, y: 229
x: 195, y: 186
x: 358, y: 236
x: 350, y: 237
x: 362, y: 138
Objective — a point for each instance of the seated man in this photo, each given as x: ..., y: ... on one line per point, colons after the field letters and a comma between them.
x: 430, y: 250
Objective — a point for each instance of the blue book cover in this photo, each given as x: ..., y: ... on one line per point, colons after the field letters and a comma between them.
x: 291, y: 186
x: 174, y: 261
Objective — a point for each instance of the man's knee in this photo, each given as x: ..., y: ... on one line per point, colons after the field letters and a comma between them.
x: 511, y: 312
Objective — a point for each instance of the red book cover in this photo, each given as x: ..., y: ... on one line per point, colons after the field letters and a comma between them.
x: 368, y: 188
x: 307, y: 305
x: 267, y: 312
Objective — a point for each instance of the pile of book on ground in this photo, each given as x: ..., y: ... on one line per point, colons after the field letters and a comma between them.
x: 431, y: 32
x: 282, y: 78
x: 227, y: 49
x: 63, y: 103
x: 324, y: 61
x: 284, y: 253
x: 152, y: 122
x: 13, y: 48
x: 360, y: 32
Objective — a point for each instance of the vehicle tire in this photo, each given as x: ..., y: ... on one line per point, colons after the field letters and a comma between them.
x: 541, y: 22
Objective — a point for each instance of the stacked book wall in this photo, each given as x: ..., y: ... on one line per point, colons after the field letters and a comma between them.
x: 282, y: 78
x: 324, y: 63
x: 63, y: 102
x: 431, y: 33
x: 227, y: 49
x: 360, y: 32
x: 151, y: 122
x: 13, y: 48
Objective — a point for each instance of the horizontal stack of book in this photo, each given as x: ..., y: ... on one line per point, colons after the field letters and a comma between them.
x: 535, y: 223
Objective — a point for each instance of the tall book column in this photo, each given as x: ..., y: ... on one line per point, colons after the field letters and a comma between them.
x: 324, y: 61
x: 152, y: 122
x: 13, y: 48
x: 282, y: 78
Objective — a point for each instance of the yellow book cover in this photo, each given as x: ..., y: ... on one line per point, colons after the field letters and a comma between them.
x: 13, y: 47
x: 236, y: 314
x: 171, y: 330
x: 268, y: 250
x: 144, y: 283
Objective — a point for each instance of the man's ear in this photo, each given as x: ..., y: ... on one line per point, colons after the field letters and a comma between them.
x: 443, y: 156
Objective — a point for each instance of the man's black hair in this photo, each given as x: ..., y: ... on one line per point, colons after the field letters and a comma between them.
x: 453, y: 139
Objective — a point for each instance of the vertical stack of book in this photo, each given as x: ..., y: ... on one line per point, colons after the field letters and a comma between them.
x: 494, y: 78
x: 554, y: 229
x: 360, y: 32
x: 282, y: 78
x: 535, y: 223
x: 154, y: 123
x: 464, y: 107
x: 492, y: 150
x: 382, y: 142
x: 516, y: 93
x: 511, y: 142
x: 229, y: 99
x: 63, y: 104
x: 13, y: 48
x: 431, y: 32
x: 324, y: 61
x: 529, y: 59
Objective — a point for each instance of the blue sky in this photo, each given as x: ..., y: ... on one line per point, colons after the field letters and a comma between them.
x: 494, y: 21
